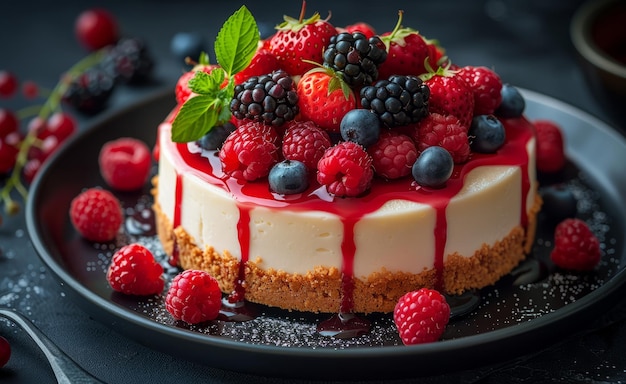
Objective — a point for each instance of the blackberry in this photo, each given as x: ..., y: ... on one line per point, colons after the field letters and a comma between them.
x: 90, y: 92
x: 129, y: 61
x: 356, y: 57
x: 271, y: 99
x: 400, y: 100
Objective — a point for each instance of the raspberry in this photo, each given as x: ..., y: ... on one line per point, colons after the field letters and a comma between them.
x: 134, y: 271
x: 445, y: 131
x: 125, y: 163
x: 345, y: 169
x: 575, y: 246
x: 96, y: 214
x: 550, y: 151
x: 393, y: 155
x: 250, y: 151
x: 306, y: 142
x: 194, y: 297
x: 421, y: 316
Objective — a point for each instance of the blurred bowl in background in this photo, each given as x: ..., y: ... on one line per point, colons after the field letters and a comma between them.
x: 598, y: 32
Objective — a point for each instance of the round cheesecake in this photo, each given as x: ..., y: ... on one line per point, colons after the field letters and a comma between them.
x: 319, y: 253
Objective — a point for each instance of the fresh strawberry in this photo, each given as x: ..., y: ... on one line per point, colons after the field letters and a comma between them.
x: 324, y: 98
x: 406, y: 52
x: 486, y: 87
x: 445, y: 131
x: 362, y: 27
x: 182, y: 90
x: 575, y: 246
x: 297, y: 40
x: 263, y: 62
x: 550, y: 152
x: 449, y: 94
x: 421, y: 316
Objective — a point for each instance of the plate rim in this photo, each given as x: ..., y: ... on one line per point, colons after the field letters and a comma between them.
x: 606, y: 291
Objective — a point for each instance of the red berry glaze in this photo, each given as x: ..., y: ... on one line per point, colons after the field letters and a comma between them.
x: 96, y: 28
x: 125, y: 163
x: 306, y: 142
x: 393, y: 155
x: 575, y: 246
x: 550, y: 147
x: 345, y: 170
x: 5, y: 351
x: 194, y: 297
x: 421, y: 316
x: 96, y: 214
x: 134, y: 271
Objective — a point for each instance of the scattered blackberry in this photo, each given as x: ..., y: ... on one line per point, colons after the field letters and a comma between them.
x: 400, y: 100
x: 356, y: 57
x: 271, y: 99
x: 90, y: 92
x: 129, y: 61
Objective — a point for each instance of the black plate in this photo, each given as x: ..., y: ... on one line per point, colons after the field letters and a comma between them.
x: 513, y: 318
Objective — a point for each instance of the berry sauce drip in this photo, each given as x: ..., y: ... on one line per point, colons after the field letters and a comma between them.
x: 141, y: 223
x: 513, y: 153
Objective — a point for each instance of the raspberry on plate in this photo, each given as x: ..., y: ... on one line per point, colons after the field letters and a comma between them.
x: 125, y: 163
x: 96, y: 214
x: 550, y: 149
x: 194, y: 296
x: 575, y: 246
x: 421, y: 316
x: 134, y: 271
x: 345, y: 169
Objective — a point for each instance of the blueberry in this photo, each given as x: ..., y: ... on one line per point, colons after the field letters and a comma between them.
x: 487, y: 134
x: 559, y: 203
x: 360, y: 126
x: 288, y: 177
x: 433, y: 167
x: 187, y: 44
x: 513, y: 103
x: 216, y: 136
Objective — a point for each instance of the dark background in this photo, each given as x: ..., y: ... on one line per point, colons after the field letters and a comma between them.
x: 526, y: 42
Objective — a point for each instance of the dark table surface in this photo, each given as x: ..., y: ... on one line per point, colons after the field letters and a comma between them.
x: 527, y: 42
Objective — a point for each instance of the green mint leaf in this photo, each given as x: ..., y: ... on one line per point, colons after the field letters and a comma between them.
x: 204, y: 83
x: 237, y: 41
x: 195, y: 118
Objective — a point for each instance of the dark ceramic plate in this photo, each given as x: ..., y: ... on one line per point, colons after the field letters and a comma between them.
x: 535, y: 306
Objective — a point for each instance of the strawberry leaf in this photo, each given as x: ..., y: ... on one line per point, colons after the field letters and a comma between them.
x: 237, y: 41
x: 206, y: 83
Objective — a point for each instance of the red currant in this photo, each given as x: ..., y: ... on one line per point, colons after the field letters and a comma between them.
x: 61, y: 125
x: 30, y: 90
x: 37, y: 125
x: 30, y: 169
x: 8, y: 84
x: 8, y: 152
x: 96, y: 28
x: 8, y: 122
x: 5, y: 351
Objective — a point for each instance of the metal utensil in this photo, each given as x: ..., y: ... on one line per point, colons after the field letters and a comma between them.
x: 65, y: 369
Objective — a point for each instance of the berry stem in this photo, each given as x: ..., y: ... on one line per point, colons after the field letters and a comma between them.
x: 51, y: 105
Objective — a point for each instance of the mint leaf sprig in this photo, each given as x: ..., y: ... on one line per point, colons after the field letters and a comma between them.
x: 235, y: 45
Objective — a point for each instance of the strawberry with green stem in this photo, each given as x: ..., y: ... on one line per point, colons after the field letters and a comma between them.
x: 298, y: 43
